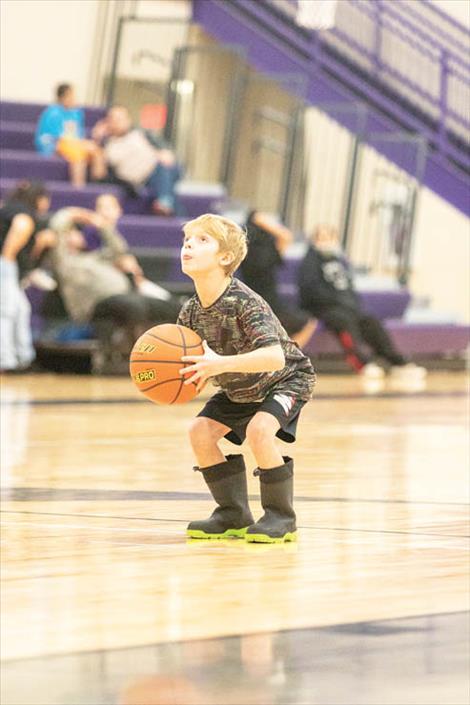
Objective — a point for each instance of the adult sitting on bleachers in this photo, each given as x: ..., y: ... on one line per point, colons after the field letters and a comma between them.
x: 138, y: 158
x: 22, y: 218
x: 106, y: 287
x: 61, y: 130
x: 326, y: 290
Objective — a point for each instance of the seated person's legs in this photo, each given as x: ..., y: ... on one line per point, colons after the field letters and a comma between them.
x: 345, y: 325
x: 377, y: 337
x: 161, y: 184
x: 160, y: 311
x: 78, y: 153
x: 379, y: 340
x: 118, y: 323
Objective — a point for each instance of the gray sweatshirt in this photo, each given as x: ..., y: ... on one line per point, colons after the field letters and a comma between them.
x: 86, y: 278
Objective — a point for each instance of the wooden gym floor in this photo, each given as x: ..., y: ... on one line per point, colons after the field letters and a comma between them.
x: 105, y: 601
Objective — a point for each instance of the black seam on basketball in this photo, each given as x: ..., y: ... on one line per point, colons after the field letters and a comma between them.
x: 176, y: 345
x: 161, y: 362
x: 158, y: 384
x: 181, y: 378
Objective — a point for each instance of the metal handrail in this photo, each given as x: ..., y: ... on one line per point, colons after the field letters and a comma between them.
x: 390, y: 10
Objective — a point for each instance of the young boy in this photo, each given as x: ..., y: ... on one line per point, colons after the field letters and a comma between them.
x: 265, y: 381
x: 327, y: 290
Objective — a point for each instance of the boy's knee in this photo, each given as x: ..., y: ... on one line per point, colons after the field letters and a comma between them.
x: 260, y: 431
x: 204, y: 430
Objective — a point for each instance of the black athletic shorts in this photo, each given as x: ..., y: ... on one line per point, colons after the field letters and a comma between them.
x: 285, y: 407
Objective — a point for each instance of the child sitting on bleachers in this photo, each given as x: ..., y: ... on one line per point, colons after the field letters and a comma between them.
x: 61, y: 130
x: 326, y: 290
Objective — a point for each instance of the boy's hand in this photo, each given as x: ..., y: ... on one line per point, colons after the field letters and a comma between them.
x: 205, y: 366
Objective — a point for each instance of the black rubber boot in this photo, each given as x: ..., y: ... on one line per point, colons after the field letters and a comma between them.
x: 227, y: 483
x: 277, y: 524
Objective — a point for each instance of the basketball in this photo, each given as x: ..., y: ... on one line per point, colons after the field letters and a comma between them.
x: 155, y: 362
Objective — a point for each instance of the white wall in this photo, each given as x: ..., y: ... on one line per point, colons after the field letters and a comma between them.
x: 441, y: 256
x: 43, y: 43
x: 458, y: 9
x: 46, y: 42
x: 164, y: 8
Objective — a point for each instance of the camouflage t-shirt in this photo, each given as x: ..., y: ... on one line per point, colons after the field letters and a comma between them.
x: 240, y: 321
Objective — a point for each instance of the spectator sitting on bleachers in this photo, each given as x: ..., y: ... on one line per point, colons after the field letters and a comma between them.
x: 326, y: 290
x: 267, y: 242
x: 61, y: 130
x: 21, y: 221
x: 106, y: 287
x: 138, y: 158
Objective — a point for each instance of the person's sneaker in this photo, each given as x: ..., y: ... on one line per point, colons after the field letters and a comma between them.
x: 159, y: 208
x: 408, y: 371
x: 372, y: 371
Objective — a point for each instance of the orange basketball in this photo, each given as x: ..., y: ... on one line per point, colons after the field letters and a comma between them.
x: 156, y: 360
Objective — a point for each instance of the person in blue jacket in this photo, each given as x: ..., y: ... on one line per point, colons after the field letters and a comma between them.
x: 61, y: 130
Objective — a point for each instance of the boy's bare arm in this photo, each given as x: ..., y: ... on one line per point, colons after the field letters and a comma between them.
x: 268, y: 359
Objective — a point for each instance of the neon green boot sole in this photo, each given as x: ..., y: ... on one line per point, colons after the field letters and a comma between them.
x: 229, y: 533
x: 264, y: 538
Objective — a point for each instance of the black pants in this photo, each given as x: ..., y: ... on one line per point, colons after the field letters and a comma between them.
x: 132, y: 313
x: 353, y: 328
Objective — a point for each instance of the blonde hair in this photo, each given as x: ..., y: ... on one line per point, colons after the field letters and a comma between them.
x: 330, y: 231
x: 230, y: 236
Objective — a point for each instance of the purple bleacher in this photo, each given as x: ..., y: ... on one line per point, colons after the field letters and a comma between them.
x: 382, y: 303
x: 193, y: 205
x: 64, y: 194
x: 21, y: 161
x: 16, y: 135
x: 385, y: 304
x: 148, y: 231
x: 19, y: 164
x: 412, y: 339
x: 329, y: 66
x: 29, y: 112
x: 429, y: 338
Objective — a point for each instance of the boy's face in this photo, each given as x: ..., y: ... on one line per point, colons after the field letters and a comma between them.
x: 326, y: 238
x: 68, y: 99
x: 201, y: 254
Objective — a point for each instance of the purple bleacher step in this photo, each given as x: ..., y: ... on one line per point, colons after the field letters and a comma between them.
x: 149, y: 231
x: 432, y: 339
x: 29, y: 112
x: 429, y: 338
x: 384, y: 303
x: 16, y: 135
x: 64, y: 194
x: 196, y: 198
x: 19, y: 164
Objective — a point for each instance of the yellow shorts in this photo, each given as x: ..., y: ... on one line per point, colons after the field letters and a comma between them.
x: 72, y: 149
